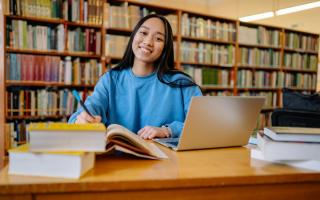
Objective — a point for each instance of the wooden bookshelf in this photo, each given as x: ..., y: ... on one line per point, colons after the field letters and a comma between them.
x: 11, y: 85
x: 257, y: 67
x: 36, y: 117
x: 260, y: 46
x: 2, y: 85
x: 45, y: 84
x: 36, y: 19
x: 232, y: 44
x: 201, y: 39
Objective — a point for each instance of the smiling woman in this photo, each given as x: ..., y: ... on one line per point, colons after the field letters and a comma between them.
x: 147, y: 46
x: 144, y: 92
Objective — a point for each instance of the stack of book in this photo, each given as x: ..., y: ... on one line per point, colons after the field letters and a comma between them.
x: 68, y: 150
x: 288, y: 144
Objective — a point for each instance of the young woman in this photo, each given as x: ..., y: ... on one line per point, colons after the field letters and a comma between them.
x: 144, y: 92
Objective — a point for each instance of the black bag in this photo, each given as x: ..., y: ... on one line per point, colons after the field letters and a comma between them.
x: 298, y: 101
x: 295, y: 118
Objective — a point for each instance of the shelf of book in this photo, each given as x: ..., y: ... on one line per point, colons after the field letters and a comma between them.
x: 207, y: 65
x: 256, y: 67
x: 299, y: 70
x: 213, y: 87
x: 260, y: 46
x: 257, y: 88
x: 116, y: 30
x: 224, y: 56
x: 52, y: 53
x: 202, y: 39
x: 36, y: 117
x: 48, y: 20
x: 45, y: 84
x: 300, y: 51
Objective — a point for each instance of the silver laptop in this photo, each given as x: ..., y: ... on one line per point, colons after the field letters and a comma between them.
x: 214, y: 122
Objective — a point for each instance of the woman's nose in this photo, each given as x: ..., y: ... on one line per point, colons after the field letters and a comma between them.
x: 148, y: 41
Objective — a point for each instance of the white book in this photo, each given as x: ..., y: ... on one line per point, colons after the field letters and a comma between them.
x: 277, y: 150
x: 60, y: 165
x: 297, y: 134
x: 305, y: 164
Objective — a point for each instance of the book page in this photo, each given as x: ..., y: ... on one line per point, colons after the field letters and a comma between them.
x: 160, y: 154
x: 120, y: 136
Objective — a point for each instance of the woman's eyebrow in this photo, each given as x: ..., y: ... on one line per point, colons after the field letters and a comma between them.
x: 158, y: 32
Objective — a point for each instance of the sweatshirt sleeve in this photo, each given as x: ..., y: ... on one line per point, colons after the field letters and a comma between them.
x: 188, y: 92
x: 98, y: 102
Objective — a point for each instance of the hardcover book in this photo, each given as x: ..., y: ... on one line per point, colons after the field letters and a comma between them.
x: 50, y: 164
x: 298, y: 134
x: 279, y: 150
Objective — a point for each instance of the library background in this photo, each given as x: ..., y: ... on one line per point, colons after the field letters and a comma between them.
x: 50, y: 47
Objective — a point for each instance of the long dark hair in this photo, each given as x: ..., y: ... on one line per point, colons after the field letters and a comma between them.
x: 164, y: 65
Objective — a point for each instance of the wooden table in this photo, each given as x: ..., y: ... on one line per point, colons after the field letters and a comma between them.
x: 227, y: 173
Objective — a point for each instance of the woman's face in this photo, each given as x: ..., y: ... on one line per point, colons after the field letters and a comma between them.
x: 149, y: 41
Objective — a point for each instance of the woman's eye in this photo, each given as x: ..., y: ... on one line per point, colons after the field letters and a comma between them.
x: 158, y: 39
x: 143, y: 33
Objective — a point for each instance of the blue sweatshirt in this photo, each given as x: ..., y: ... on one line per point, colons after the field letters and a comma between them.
x: 120, y: 97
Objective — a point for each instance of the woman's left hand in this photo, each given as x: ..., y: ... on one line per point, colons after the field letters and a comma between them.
x: 150, y: 132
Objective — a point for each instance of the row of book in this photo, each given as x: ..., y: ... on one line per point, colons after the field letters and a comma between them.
x: 42, y: 102
x: 127, y: 16
x: 84, y: 40
x: 52, y: 69
x: 301, y: 41
x: 259, y: 79
x: 208, y: 28
x: 24, y: 35
x: 207, y: 53
x: 43, y: 8
x: 301, y: 80
x: 259, y: 36
x: 87, y: 11
x: 210, y: 76
x: 300, y: 61
x: 250, y: 79
x: 270, y: 97
x: 115, y: 45
x: 259, y: 57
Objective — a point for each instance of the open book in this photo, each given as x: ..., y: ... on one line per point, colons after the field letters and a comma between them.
x: 121, y: 139
x: 46, y: 137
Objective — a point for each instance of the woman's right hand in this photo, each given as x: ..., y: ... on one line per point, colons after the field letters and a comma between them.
x: 84, y: 118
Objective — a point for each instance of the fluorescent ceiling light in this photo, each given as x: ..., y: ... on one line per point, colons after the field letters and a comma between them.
x: 257, y: 16
x: 298, y: 8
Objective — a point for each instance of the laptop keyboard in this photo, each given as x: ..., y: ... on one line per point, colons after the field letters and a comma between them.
x: 174, y: 143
